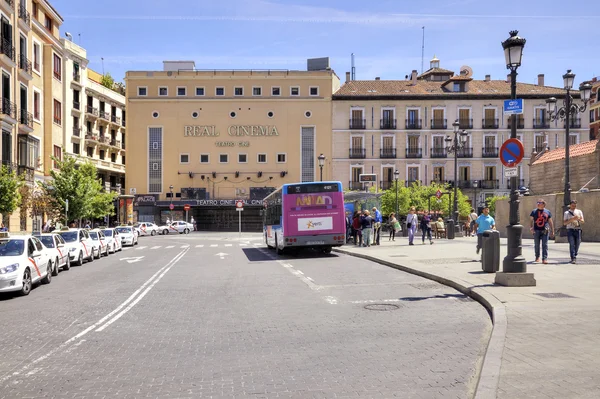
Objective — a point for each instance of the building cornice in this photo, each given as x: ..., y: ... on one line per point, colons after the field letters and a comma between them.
x: 446, y: 97
x: 53, y: 41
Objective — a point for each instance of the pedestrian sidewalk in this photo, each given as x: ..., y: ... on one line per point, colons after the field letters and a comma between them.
x: 546, y: 339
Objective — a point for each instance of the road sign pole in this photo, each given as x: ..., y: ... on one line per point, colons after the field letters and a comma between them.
x: 240, y: 223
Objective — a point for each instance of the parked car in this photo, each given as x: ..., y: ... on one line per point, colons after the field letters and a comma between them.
x: 179, y: 226
x: 23, y: 261
x: 56, y: 247
x: 146, y: 228
x: 99, y: 242
x: 128, y: 235
x: 114, y: 240
x: 80, y: 245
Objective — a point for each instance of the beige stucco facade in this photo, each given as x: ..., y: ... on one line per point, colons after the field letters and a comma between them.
x: 224, y: 135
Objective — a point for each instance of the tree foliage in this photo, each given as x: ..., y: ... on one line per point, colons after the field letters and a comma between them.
x: 491, y: 202
x: 107, y: 80
x: 10, y: 187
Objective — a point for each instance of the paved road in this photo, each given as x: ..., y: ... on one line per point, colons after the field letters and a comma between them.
x: 215, y: 316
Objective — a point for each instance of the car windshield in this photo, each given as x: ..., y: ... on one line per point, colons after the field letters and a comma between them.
x: 108, y: 233
x: 69, y: 236
x: 12, y: 247
x: 137, y: 225
x: 94, y: 235
x: 48, y: 241
x: 123, y: 229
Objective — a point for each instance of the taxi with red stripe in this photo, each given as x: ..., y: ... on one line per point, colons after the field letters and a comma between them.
x: 58, y: 250
x: 80, y: 245
x: 24, y: 261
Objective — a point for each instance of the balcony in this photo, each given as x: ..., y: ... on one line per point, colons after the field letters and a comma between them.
x: 357, y: 153
x: 439, y: 124
x: 115, y: 143
x: 123, y: 145
x: 91, y: 137
x: 539, y: 148
x: 386, y: 185
x: 489, y: 184
x: 24, y: 14
x: 541, y: 124
x: 520, y: 123
x: 520, y: 182
x: 387, y: 124
x: 25, y: 121
x: 123, y: 124
x: 489, y: 152
x: 76, y: 105
x: 358, y: 123
x: 387, y: 153
x: 76, y: 77
x: 465, y: 153
x: 354, y: 185
x: 25, y: 68
x: 414, y: 153
x: 465, y: 184
x: 489, y: 123
x: 115, y: 119
x: 413, y: 124
x: 439, y: 153
x: 410, y: 182
x: 92, y: 111
x: 27, y: 172
x: 9, y: 109
x: 104, y: 140
x: 8, y: 6
x: 77, y: 132
x: 465, y: 123
x: 104, y: 115
x: 574, y: 123
x: 7, y: 52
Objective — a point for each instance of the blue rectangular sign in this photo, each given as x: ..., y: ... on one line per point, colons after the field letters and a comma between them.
x: 513, y: 106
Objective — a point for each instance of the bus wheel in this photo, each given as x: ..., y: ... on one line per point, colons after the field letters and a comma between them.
x: 327, y: 250
x: 277, y: 249
x: 267, y: 242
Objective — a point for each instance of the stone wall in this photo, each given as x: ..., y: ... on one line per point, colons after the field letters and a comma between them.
x: 589, y: 203
x: 548, y: 177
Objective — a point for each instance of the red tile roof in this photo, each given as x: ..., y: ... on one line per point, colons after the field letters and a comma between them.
x: 576, y: 150
x: 435, y: 71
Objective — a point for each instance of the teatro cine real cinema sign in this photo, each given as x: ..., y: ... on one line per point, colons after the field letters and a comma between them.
x: 233, y: 130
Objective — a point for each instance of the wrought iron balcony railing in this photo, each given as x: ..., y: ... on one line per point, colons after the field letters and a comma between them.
x: 414, y: 152
x: 91, y: 110
x: 465, y: 123
x: 25, y: 64
x: 490, y: 184
x: 76, y: 77
x: 25, y: 118
x: 105, y: 115
x: 541, y: 124
x: 24, y: 14
x: 489, y: 123
x: 77, y: 131
x: 354, y: 185
x: 7, y: 49
x: 412, y: 124
x: 520, y: 123
x: 358, y: 123
x: 574, y: 123
x: 465, y: 153
x: 489, y: 152
x: 439, y: 123
x: 76, y: 105
x: 439, y: 153
x: 388, y: 124
x: 386, y: 185
x: 9, y: 108
x: 357, y: 153
x: 115, y: 119
x: 387, y: 153
x: 520, y: 182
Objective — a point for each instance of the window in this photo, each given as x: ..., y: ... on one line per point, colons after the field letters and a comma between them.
x: 36, y: 105
x: 220, y: 91
x: 314, y: 91
x: 163, y: 91
x: 113, y: 157
x: 57, y: 155
x: 257, y: 91
x: 123, y: 160
x: 36, y: 57
x: 275, y: 91
x: 76, y: 149
x: 242, y: 158
x: 294, y: 91
x: 281, y: 158
x: 223, y: 158
x: 48, y: 22
x: 29, y: 151
x: 34, y: 10
x: 238, y: 91
x: 262, y: 158
x: 573, y: 139
x: 204, y: 158
x: 57, y: 112
x: 90, y: 152
x: 181, y: 91
x: 142, y: 91
x: 102, y: 154
x: 307, y: 154
x: 184, y: 158
x: 155, y: 136
x: 199, y: 91
x: 57, y: 67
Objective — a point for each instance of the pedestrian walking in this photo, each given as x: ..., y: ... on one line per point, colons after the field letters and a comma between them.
x: 349, y: 229
x: 484, y: 222
x: 473, y: 219
x: 573, y: 219
x: 377, y: 219
x: 426, y: 228
x: 357, y: 228
x: 367, y: 228
x: 393, y: 222
x: 411, y: 224
x: 542, y: 227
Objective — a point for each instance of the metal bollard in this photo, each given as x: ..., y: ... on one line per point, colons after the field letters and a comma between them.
x: 490, y: 253
x: 450, y: 229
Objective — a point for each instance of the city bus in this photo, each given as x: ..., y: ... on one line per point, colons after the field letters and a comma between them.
x: 305, y: 215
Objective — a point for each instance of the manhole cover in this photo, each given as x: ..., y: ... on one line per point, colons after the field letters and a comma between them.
x: 382, y: 306
x: 553, y: 295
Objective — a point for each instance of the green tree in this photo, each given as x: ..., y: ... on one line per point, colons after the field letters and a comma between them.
x: 10, y: 186
x: 491, y: 202
x: 107, y: 81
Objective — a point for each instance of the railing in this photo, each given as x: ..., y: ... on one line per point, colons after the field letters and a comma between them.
x: 7, y: 49
x: 115, y: 143
x: 90, y: 136
x: 520, y: 123
x: 386, y: 185
x: 123, y: 145
x: 25, y: 118
x: 24, y: 14
x: 413, y: 124
x: 465, y: 153
x: 123, y: 123
x: 76, y: 105
x: 489, y: 123
x: 387, y: 124
x: 520, y: 182
x: 104, y: 140
x: 354, y: 185
x: 357, y: 153
x: 414, y: 153
x: 490, y: 184
x: 465, y: 123
x: 24, y: 64
x: 574, y: 123
x: 91, y: 110
x: 439, y: 153
x: 27, y: 172
x: 465, y: 184
x: 489, y: 152
x: 104, y: 115
x: 9, y: 108
x: 76, y: 77
x: 541, y: 124
x: 439, y: 123
x: 387, y: 153
x: 409, y: 183
x: 115, y: 119
x: 77, y: 131
x: 358, y: 123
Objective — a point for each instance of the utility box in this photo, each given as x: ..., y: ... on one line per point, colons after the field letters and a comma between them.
x: 490, y: 254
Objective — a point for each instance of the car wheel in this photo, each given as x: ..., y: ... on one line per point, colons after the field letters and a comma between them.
x: 67, y: 265
x: 186, y: 231
x: 91, y: 256
x: 48, y: 278
x: 136, y: 242
x: 80, y: 259
x: 153, y: 233
x: 99, y: 253
x: 55, y: 270
x: 26, y: 289
x: 106, y: 252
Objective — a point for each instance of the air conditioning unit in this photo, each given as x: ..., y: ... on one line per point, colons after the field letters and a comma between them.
x: 132, y: 191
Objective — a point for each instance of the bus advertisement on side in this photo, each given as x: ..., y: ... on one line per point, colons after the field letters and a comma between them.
x: 311, y: 214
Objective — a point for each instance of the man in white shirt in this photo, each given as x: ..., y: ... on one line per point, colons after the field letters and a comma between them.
x: 473, y: 217
x: 573, y: 219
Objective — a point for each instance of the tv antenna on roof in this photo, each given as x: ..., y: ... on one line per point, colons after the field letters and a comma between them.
x: 353, y: 69
x: 422, y: 49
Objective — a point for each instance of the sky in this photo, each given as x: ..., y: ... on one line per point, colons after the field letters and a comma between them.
x: 386, y: 36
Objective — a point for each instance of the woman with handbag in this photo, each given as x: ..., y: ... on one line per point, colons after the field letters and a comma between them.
x: 394, y: 225
x: 411, y: 224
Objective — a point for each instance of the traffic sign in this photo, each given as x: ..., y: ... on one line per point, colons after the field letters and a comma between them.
x: 186, y: 207
x: 511, y: 172
x: 511, y: 153
x: 239, y: 203
x: 438, y: 194
x: 513, y: 106
x: 171, y: 207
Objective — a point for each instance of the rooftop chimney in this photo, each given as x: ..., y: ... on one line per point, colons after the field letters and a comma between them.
x: 377, y: 78
x: 413, y: 77
x: 488, y: 78
x: 541, y: 79
x: 347, y: 77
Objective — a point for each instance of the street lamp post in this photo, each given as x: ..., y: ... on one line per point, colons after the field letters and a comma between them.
x: 458, y: 143
x: 396, y: 175
x: 321, y: 159
x: 568, y: 110
x: 475, y: 184
x: 171, y: 206
x: 514, y: 262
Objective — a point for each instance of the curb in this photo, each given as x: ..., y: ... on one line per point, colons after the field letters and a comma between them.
x: 489, y: 375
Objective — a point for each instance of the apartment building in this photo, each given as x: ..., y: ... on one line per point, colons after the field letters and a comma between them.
x: 31, y: 86
x: 594, y: 112
x: 380, y: 126
x: 95, y: 118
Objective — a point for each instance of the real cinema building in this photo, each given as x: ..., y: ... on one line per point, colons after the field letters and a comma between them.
x: 207, y: 138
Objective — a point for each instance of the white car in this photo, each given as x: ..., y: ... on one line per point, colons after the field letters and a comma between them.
x: 99, y: 242
x: 80, y: 245
x: 56, y: 247
x: 177, y: 227
x: 114, y: 240
x: 23, y: 261
x: 128, y: 235
x: 146, y: 228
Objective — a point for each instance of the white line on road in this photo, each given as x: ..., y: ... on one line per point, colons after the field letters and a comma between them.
x: 377, y: 301
x: 300, y: 275
x: 184, y: 246
x: 157, y: 246
x: 228, y: 245
x: 138, y: 248
x: 243, y: 244
x: 199, y: 246
x: 170, y: 246
x: 214, y: 245
x: 331, y: 299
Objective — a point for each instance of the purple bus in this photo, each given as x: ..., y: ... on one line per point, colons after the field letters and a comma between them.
x: 305, y: 215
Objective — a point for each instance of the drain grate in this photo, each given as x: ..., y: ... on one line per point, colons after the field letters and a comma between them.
x: 382, y: 307
x: 553, y: 295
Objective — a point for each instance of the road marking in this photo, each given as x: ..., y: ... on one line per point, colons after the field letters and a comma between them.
x: 228, y: 245
x: 214, y: 245
x: 243, y: 244
x: 133, y: 259
x: 61, y: 347
x: 170, y: 246
x: 200, y: 246
x: 331, y: 299
x: 155, y: 247
x: 138, y: 248
x: 376, y: 301
x: 184, y: 246
x: 300, y: 275
x: 221, y: 255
